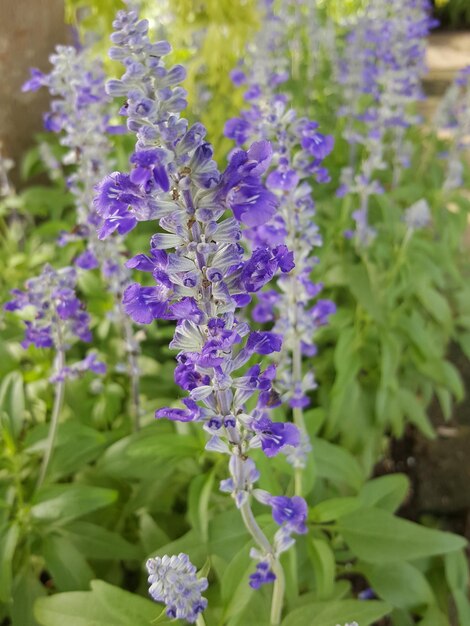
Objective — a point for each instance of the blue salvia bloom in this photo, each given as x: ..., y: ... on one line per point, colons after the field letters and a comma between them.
x: 298, y: 151
x: 199, y: 267
x: 57, y: 317
x: 384, y: 61
x: 418, y: 215
x: 80, y: 114
x: 453, y: 117
x: 174, y: 582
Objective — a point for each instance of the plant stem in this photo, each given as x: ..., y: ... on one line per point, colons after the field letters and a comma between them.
x: 260, y: 538
x: 132, y: 366
x: 254, y: 529
x: 278, y: 594
x: 56, y: 409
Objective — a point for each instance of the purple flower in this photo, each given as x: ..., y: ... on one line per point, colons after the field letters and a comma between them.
x: 275, y: 435
x: 263, y: 575
x: 316, y: 144
x: 191, y: 414
x: 37, y: 80
x: 285, y: 180
x: 39, y: 337
x: 87, y: 261
x: 144, y: 304
x: 244, y: 192
x: 173, y: 581
x: 238, y: 77
x: 291, y: 512
x: 264, y: 342
x: 262, y: 266
x: 263, y: 311
x: 187, y: 309
x: 150, y: 163
x: 238, y: 130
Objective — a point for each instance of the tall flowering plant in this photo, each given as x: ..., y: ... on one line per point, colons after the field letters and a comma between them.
x: 299, y: 149
x: 80, y: 114
x: 380, y: 74
x: 202, y: 279
x: 453, y: 117
x: 57, y: 320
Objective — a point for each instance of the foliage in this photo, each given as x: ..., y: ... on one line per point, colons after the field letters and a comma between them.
x: 72, y: 551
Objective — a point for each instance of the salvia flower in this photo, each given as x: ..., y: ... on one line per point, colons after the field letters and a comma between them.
x: 453, y: 117
x: 80, y: 114
x: 173, y: 581
x: 81, y: 109
x: 55, y: 317
x: 299, y: 148
x: 381, y: 77
x: 418, y: 215
x: 201, y: 273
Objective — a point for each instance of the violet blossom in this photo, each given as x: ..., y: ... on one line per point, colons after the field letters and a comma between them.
x: 201, y: 275
x: 299, y: 148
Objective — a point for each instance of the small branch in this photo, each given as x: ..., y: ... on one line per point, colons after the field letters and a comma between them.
x: 56, y: 410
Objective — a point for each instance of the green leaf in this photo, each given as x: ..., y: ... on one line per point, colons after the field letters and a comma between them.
x: 463, y: 606
x: 79, y: 444
x: 105, y: 605
x: 164, y: 445
x: 359, y: 284
x: 456, y: 568
x: 436, y: 305
x: 66, y: 502
x: 66, y: 564
x: 48, y: 202
x: 27, y: 589
x: 127, y: 607
x: 376, y: 536
x: 198, y: 503
x: 337, y: 612
x: 400, y: 584
x: 445, y: 401
x: 8, y: 539
x: 385, y: 492
x: 151, y: 535
x: 236, y: 592
x: 434, y: 617
x: 415, y: 411
x: 12, y: 403
x: 323, y: 563
x: 332, y: 509
x: 97, y: 542
x: 337, y: 464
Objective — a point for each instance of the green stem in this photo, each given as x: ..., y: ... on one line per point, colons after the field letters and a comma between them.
x: 254, y: 529
x: 278, y: 594
x: 56, y: 410
x: 260, y: 538
x: 200, y: 620
x: 132, y: 367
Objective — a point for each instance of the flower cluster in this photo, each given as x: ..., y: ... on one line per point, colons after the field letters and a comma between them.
x: 382, y: 66
x: 201, y: 274
x: 453, y: 116
x: 57, y: 317
x: 298, y: 152
x: 80, y: 114
x: 174, y: 582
